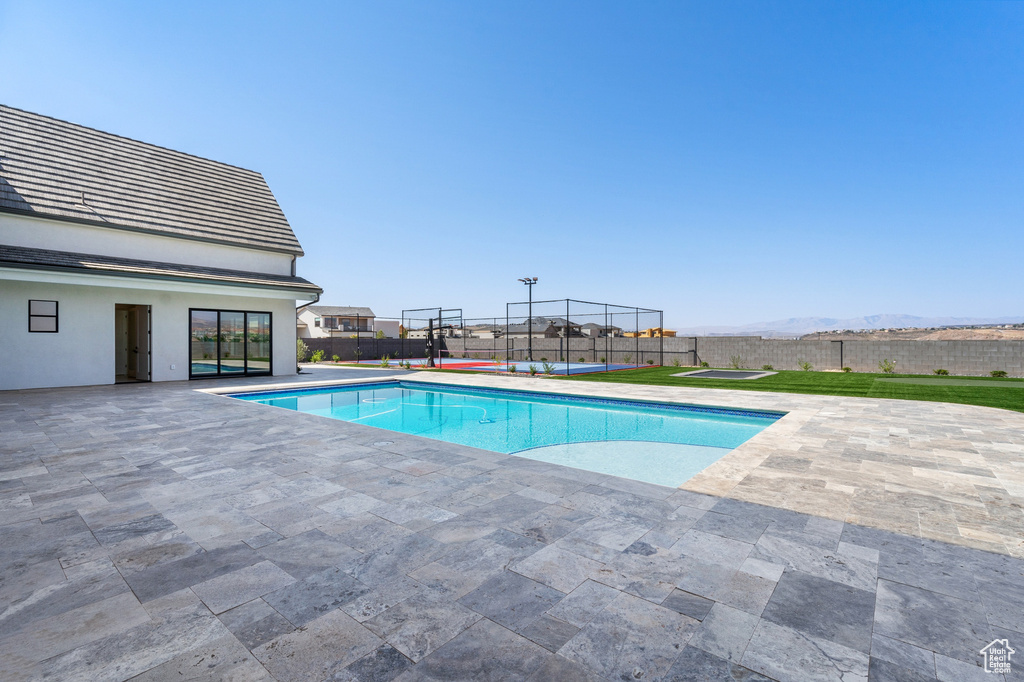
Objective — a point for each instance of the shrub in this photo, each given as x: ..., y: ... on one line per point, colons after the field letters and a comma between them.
x: 533, y: 370
x: 804, y: 365
x: 942, y: 372
x: 886, y: 366
x: 998, y: 373
x: 675, y: 362
x: 511, y: 369
x: 335, y: 358
x: 626, y: 358
x: 767, y: 368
x: 734, y: 361
x: 602, y: 358
x: 847, y: 369
x: 379, y: 334
x: 357, y: 353
x: 582, y: 360
x: 385, y: 361
x: 543, y: 359
x: 704, y: 364
x: 548, y: 368
x: 318, y: 356
x: 650, y: 362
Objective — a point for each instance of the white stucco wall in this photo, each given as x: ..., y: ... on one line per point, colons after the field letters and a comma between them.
x: 83, y: 351
x: 42, y: 233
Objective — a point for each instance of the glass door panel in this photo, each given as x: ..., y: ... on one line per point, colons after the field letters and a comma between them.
x: 204, y: 342
x: 258, y: 342
x: 232, y: 343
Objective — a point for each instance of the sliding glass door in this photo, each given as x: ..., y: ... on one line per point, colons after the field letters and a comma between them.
x: 204, y: 343
x: 257, y: 350
x: 229, y: 343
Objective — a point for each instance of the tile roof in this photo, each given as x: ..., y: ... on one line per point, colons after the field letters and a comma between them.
x: 340, y: 310
x: 45, y: 259
x: 47, y: 167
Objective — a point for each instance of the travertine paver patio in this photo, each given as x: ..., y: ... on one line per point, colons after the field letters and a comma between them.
x: 153, y: 532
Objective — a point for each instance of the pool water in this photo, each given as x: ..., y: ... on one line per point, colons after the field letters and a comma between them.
x: 653, y: 442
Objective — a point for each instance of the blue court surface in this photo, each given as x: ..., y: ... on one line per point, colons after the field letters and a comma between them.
x: 521, y: 366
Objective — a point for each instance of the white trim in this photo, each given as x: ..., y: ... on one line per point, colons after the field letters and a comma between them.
x: 150, y: 284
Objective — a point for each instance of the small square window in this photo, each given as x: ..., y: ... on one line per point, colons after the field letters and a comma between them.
x: 42, y: 316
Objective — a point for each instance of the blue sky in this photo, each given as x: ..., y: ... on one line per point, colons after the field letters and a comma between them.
x: 729, y: 162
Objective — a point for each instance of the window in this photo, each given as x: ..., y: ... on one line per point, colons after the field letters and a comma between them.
x: 316, y: 322
x: 42, y: 316
x: 229, y: 343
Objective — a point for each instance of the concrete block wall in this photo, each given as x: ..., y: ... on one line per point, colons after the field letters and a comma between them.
x: 977, y: 358
x: 966, y: 358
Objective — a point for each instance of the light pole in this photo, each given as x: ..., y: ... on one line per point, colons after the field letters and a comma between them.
x: 529, y: 281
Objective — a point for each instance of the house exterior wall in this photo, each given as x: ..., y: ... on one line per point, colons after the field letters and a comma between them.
x: 83, y: 350
x: 42, y: 233
x: 309, y: 330
x: 389, y: 327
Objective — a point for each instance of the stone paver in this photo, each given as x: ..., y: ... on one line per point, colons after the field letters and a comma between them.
x: 159, y: 532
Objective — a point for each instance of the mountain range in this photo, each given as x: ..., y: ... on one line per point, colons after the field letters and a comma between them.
x: 798, y: 326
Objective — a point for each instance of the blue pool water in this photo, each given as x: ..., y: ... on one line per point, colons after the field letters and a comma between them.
x: 657, y: 443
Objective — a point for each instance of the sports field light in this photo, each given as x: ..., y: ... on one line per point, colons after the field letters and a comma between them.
x: 529, y: 281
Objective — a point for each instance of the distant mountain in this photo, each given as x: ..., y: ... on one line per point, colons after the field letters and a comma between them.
x: 798, y: 326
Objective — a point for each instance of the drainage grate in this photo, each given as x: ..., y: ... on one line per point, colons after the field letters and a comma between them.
x: 382, y: 443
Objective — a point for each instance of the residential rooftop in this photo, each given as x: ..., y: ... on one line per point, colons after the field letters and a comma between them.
x: 56, y: 169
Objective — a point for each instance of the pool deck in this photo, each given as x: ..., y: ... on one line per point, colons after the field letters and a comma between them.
x: 157, y: 532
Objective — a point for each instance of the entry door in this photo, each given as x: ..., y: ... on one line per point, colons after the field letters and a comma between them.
x: 132, y: 342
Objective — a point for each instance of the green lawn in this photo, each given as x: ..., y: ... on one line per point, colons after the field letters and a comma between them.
x: 1004, y: 393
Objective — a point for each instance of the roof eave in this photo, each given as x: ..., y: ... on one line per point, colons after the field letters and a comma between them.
x: 311, y: 288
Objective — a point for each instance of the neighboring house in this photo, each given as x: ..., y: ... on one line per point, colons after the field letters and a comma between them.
x: 447, y: 332
x: 594, y: 330
x: 543, y: 327
x: 538, y: 330
x: 125, y: 261
x: 325, y: 321
x: 391, y: 328
x: 651, y: 333
x: 484, y: 331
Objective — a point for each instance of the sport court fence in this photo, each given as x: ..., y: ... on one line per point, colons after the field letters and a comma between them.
x: 569, y: 331
x: 558, y: 332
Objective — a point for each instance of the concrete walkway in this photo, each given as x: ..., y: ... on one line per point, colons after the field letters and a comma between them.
x: 155, y: 532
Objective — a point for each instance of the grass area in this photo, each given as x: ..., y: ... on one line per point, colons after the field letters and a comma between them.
x: 1007, y: 394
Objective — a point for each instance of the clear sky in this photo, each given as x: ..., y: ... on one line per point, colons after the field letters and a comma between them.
x: 729, y: 162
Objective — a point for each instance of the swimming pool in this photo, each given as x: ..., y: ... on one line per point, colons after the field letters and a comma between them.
x: 654, y: 442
